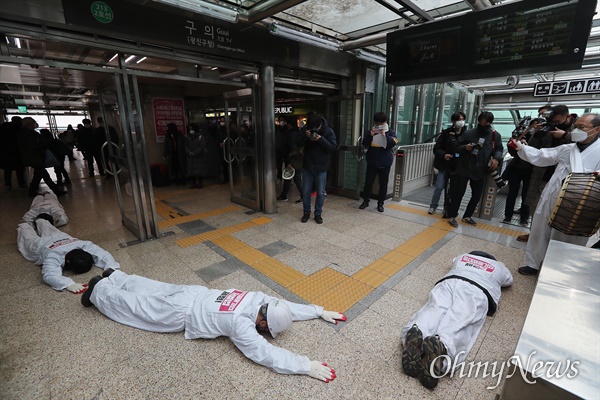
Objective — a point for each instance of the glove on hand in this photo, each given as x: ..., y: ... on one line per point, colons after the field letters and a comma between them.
x: 321, y: 371
x: 333, y: 316
x: 77, y: 288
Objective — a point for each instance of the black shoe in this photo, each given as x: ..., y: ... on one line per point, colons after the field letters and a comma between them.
x: 305, y: 217
x: 433, y: 348
x: 299, y: 200
x: 282, y: 198
x: 107, y: 272
x: 91, y: 174
x: 452, y: 221
x: 318, y: 219
x: 380, y: 207
x: 364, y: 204
x: 85, y: 297
x: 506, y: 220
x: 413, y: 349
x: 469, y: 221
x: 528, y: 271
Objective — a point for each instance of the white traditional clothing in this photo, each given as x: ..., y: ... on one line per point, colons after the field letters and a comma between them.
x: 569, y: 159
x: 46, y: 203
x: 459, y: 302
x: 49, y: 248
x: 201, y: 312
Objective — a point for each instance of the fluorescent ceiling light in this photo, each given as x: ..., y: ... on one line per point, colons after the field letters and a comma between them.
x: 299, y: 36
x: 214, y: 68
x: 113, y: 57
x: 129, y: 58
x: 18, y: 43
x: 140, y: 60
x: 204, y: 8
x: 370, y: 57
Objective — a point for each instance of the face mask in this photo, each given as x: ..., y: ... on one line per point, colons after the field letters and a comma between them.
x: 483, y: 128
x: 192, y: 132
x: 459, y: 124
x: 578, y: 135
x: 222, y: 123
x: 282, y: 124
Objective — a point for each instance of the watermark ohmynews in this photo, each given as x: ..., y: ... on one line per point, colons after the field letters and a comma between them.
x: 472, y: 369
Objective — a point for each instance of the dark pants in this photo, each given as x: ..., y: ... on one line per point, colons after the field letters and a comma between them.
x: 20, y: 172
x: 92, y: 154
x: 40, y: 173
x: 458, y: 186
x: 287, y: 183
x: 384, y: 174
x: 514, y: 183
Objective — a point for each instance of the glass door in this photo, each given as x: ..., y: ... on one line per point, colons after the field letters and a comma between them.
x: 240, y: 147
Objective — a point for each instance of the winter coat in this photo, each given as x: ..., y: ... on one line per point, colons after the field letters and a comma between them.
x: 317, y: 153
x: 445, y: 144
x: 377, y: 156
x: 10, y: 157
x: 196, y: 149
x: 292, y: 154
x: 474, y: 166
x: 175, y: 153
x: 32, y: 146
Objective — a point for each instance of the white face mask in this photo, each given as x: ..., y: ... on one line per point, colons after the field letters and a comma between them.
x: 459, y: 124
x: 222, y: 123
x: 578, y: 135
x: 192, y: 132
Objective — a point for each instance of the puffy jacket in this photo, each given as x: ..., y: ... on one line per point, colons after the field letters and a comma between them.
x: 474, y: 166
x: 317, y: 154
x: 445, y: 144
x: 377, y: 156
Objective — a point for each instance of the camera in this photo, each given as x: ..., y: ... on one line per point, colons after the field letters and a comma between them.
x: 477, y: 146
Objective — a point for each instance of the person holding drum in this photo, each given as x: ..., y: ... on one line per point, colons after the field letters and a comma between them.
x: 580, y: 157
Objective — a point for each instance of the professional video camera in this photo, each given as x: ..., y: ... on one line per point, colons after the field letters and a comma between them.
x: 525, y: 124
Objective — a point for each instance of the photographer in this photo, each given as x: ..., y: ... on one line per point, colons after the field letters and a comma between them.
x: 319, y: 142
x: 478, y: 151
x: 444, y: 161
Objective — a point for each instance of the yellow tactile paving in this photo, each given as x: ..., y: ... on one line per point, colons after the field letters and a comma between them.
x: 194, y: 217
x: 166, y: 211
x: 370, y: 277
x: 385, y: 267
x: 316, y: 284
x: 213, y: 235
x: 343, y: 295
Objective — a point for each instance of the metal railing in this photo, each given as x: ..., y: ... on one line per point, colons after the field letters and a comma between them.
x: 418, y: 166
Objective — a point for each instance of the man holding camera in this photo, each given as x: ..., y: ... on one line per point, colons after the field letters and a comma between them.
x: 319, y: 142
x: 477, y: 152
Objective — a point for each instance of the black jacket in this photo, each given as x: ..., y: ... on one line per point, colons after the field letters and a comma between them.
x: 317, y: 154
x: 32, y: 146
x: 445, y: 144
x: 474, y: 166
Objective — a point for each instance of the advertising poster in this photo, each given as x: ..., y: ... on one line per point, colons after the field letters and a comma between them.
x: 167, y: 111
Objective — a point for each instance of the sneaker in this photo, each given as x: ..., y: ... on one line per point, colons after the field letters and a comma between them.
x: 318, y: 219
x: 299, y: 200
x: 524, y: 222
x: 452, y: 221
x: 364, y: 204
x: 431, y: 211
x: 506, y: 220
x: 281, y: 198
x: 528, y: 271
x: 433, y: 348
x: 413, y: 348
x: 313, y: 194
x: 305, y: 217
x: 469, y: 221
x: 523, y: 238
x: 85, y: 297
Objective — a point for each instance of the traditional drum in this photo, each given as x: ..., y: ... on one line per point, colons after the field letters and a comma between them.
x: 577, y: 209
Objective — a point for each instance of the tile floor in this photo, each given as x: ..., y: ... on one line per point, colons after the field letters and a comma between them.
x: 52, y: 347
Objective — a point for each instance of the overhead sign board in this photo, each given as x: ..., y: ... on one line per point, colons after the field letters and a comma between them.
x: 564, y: 88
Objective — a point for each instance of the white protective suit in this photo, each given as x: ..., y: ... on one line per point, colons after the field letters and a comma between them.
x: 49, y: 248
x: 456, y: 309
x: 569, y: 159
x: 201, y: 312
x: 46, y: 203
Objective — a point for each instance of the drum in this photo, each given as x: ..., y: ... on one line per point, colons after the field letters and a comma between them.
x: 577, y: 209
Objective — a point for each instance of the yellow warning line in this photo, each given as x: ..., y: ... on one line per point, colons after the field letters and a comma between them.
x: 188, y: 218
x: 443, y: 224
x: 213, y: 235
x: 166, y: 211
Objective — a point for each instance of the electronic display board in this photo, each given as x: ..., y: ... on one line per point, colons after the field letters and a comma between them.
x: 524, y: 37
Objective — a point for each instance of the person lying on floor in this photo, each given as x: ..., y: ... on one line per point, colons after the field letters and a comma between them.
x: 56, y: 251
x: 46, y: 203
x: 449, y: 323
x: 204, y: 313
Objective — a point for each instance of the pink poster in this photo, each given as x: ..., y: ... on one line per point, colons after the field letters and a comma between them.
x: 167, y: 111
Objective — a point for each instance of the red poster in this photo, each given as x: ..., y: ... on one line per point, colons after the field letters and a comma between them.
x: 167, y: 111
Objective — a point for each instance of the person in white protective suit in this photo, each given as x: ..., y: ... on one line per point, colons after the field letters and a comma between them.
x: 46, y: 203
x: 204, y: 313
x: 56, y: 251
x: 447, y: 326
x: 582, y: 156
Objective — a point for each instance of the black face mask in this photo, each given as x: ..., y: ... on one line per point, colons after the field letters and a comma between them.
x: 483, y: 128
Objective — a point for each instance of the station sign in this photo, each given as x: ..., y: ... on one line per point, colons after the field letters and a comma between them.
x: 565, y: 88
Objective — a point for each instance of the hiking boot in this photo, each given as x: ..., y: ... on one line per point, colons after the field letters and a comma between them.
x: 413, y: 348
x: 431, y: 361
x: 452, y: 221
x: 528, y: 271
x: 469, y: 221
x: 364, y: 204
x: 305, y: 217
